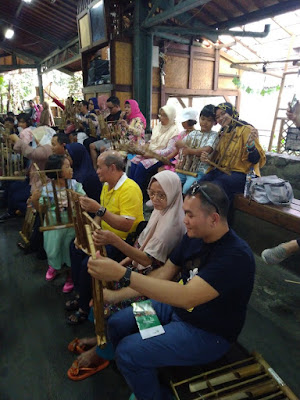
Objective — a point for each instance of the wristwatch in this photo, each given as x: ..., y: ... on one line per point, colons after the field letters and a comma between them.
x: 101, y: 211
x: 125, y: 281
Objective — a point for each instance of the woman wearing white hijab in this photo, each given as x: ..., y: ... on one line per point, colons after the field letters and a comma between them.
x: 163, y: 232
x: 162, y: 142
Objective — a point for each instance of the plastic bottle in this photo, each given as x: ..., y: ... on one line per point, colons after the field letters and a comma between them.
x: 249, y: 177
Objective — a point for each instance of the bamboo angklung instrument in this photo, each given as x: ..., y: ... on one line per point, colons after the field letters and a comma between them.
x: 245, y: 379
x: 92, y: 128
x: 47, y: 221
x: 143, y: 151
x: 218, y: 162
x: 11, y: 162
x: 27, y: 227
x: 189, y: 164
x: 84, y: 226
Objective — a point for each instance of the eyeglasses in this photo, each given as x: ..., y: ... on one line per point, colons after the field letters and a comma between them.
x: 196, y: 188
x: 159, y: 196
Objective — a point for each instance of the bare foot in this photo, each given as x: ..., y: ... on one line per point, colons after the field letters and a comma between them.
x: 89, y: 342
x: 89, y: 358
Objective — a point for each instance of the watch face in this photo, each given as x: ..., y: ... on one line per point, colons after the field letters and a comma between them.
x: 101, y: 211
x: 125, y: 281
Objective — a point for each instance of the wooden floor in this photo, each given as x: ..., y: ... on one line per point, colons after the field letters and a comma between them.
x: 34, y: 335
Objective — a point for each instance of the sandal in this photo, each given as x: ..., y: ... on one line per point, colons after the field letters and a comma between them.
x: 75, y: 347
x: 77, y: 318
x: 72, y: 305
x: 76, y: 373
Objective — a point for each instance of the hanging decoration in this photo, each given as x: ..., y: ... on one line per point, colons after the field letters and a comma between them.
x: 263, y: 91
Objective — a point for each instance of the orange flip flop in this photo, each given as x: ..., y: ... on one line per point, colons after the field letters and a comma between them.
x: 75, y: 347
x: 76, y: 373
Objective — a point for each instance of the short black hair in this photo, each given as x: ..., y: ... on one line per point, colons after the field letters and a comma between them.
x: 9, y: 119
x: 25, y: 117
x: 55, y: 161
x: 114, y: 100
x: 191, y: 122
x: 62, y: 138
x: 85, y: 103
x: 215, y: 199
x: 208, y: 111
x: 10, y: 114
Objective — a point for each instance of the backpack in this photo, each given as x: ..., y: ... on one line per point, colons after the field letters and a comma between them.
x: 271, y: 189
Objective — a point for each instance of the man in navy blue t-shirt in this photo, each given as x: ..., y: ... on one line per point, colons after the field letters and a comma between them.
x: 202, y: 314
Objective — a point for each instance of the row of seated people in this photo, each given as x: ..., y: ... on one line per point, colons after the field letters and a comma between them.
x: 192, y: 146
x: 202, y: 317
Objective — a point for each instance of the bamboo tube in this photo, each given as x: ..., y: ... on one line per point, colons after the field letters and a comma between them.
x: 289, y: 281
x: 251, y: 392
x: 69, y: 206
x: 81, y: 238
x: 2, y: 159
x: 7, y: 162
x: 218, y: 167
x: 97, y: 296
x: 236, y: 388
x: 284, y: 388
x: 56, y: 203
x: 181, y: 171
x: 213, y: 371
x: 228, y: 377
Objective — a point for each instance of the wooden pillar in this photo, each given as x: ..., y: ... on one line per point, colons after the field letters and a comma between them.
x: 142, y: 62
x: 40, y: 80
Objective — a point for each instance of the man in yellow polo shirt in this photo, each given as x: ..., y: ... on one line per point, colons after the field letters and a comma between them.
x: 121, y: 201
x: 120, y: 210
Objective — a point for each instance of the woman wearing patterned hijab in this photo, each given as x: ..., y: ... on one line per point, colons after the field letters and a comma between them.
x: 237, y: 152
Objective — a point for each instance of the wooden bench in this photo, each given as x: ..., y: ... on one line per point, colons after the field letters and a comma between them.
x: 286, y: 217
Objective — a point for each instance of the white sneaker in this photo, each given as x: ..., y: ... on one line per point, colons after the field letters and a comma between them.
x: 274, y: 255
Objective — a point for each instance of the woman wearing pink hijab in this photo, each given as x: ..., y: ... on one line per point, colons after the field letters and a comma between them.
x: 135, y: 122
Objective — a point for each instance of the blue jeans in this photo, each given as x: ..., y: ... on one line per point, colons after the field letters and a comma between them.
x: 181, y: 344
x: 188, y: 180
x: 231, y: 184
x: 141, y: 175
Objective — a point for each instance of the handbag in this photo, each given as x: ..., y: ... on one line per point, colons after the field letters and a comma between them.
x: 271, y: 189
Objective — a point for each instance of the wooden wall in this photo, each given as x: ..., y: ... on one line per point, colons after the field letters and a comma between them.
x: 190, y: 71
x: 8, y: 60
x: 195, y: 71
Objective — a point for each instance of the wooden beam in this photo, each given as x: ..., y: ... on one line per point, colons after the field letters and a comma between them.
x: 71, y: 43
x: 203, y: 31
x: 13, y: 67
x: 216, y: 69
x: 181, y: 102
x: 61, y: 64
x: 180, y: 8
x: 263, y: 13
x: 191, y: 63
x: 201, y: 92
x: 33, y: 32
x: 20, y: 53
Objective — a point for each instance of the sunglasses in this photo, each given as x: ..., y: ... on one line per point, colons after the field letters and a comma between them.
x: 196, y: 188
